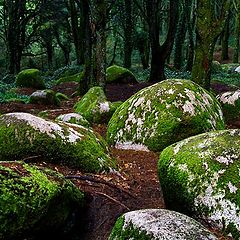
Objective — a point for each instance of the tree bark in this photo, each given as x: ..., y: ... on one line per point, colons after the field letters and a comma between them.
x: 160, y: 52
x: 128, y: 34
x: 208, y: 28
x: 237, y: 34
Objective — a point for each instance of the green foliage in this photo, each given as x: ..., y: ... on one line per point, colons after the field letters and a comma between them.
x: 67, y: 71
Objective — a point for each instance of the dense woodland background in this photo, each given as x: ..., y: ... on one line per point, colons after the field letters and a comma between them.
x: 142, y: 35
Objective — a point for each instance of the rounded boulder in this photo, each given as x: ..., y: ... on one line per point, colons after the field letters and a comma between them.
x: 25, y: 136
x: 200, y: 176
x: 158, y: 224
x: 162, y: 114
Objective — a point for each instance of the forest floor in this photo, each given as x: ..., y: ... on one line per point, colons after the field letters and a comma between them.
x: 134, y: 185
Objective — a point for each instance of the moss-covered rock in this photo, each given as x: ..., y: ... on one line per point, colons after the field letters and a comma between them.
x: 162, y: 114
x: 23, y: 135
x: 117, y: 74
x: 30, y: 78
x: 230, y: 102
x: 74, y: 118
x: 160, y: 224
x: 34, y: 201
x: 72, y: 78
x: 95, y: 107
x: 47, y: 97
x: 200, y: 176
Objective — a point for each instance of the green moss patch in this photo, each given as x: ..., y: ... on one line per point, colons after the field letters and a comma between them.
x: 34, y: 200
x: 200, y: 176
x: 162, y: 114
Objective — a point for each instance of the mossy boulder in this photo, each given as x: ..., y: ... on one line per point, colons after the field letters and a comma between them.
x: 23, y: 135
x: 162, y: 114
x: 30, y: 78
x: 47, y: 97
x: 230, y: 102
x: 200, y: 176
x: 159, y: 224
x: 74, y: 118
x: 73, y: 78
x: 95, y: 107
x: 34, y: 201
x: 117, y: 74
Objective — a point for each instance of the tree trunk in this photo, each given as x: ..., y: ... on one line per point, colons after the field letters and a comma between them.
x: 225, y: 37
x: 75, y: 31
x: 128, y: 34
x: 160, y: 52
x: 237, y: 35
x: 208, y: 28
x: 179, y: 42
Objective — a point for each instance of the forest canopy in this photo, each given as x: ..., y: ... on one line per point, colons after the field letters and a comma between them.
x: 145, y: 35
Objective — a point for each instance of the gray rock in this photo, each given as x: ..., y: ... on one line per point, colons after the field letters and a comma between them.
x: 159, y: 224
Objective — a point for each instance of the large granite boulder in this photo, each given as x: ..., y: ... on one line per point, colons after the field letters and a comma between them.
x: 34, y: 201
x: 162, y: 114
x: 159, y: 224
x: 200, y: 176
x: 95, y: 107
x: 230, y: 102
x: 30, y: 78
x: 23, y: 135
x: 117, y: 74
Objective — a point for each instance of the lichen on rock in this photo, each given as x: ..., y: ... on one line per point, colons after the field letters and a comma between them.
x: 230, y: 102
x: 23, y: 135
x: 74, y: 118
x: 164, y: 113
x: 34, y: 201
x: 200, y: 176
x: 158, y: 224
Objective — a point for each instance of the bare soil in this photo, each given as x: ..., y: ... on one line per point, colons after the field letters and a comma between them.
x: 133, y: 186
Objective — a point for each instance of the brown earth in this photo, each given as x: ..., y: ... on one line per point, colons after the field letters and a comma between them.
x: 134, y: 185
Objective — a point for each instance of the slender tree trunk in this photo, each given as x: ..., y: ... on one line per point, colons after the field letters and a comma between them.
x: 128, y: 34
x: 237, y: 35
x: 225, y: 37
x: 179, y: 40
x: 75, y: 31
